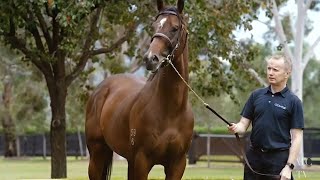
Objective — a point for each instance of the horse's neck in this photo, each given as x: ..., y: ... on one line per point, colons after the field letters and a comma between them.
x: 169, y: 90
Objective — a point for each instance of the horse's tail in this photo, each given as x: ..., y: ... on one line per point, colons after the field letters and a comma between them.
x: 101, y: 155
x: 98, y: 105
x: 108, y: 163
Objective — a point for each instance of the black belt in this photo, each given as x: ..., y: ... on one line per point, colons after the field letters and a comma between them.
x: 265, y: 150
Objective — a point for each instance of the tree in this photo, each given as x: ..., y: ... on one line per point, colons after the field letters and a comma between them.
x: 51, y: 37
x: 311, y: 88
x: 7, y: 120
x: 23, y: 100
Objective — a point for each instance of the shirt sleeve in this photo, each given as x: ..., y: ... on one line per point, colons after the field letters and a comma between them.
x: 248, y: 109
x: 297, y: 119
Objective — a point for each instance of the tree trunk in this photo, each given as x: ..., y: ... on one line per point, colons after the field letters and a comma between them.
x: 297, y: 88
x: 7, y: 121
x: 9, y: 135
x: 57, y: 91
x: 297, y: 80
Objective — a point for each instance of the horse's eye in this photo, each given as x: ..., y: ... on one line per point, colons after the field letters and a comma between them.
x: 174, y: 29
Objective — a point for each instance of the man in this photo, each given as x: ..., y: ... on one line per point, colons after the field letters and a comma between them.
x: 276, y: 116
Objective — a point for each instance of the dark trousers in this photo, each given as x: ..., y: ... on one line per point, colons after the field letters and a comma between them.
x: 265, y: 162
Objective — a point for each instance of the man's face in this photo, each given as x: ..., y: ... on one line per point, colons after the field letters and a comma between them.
x: 277, y: 72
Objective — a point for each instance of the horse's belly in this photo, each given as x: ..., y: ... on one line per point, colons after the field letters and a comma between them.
x: 114, y: 120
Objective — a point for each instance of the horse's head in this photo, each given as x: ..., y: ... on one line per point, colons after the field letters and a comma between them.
x: 169, y: 38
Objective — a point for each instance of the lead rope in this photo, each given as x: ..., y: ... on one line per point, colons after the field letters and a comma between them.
x: 224, y: 120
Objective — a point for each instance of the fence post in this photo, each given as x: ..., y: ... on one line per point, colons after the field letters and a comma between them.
x: 80, y: 142
x: 18, y: 145
x: 44, y: 146
x: 208, y: 149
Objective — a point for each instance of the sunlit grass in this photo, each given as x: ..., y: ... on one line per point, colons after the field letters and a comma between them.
x: 38, y: 168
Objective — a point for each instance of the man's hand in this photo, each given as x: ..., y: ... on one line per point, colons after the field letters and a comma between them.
x: 240, y: 127
x: 286, y: 173
x: 233, y: 128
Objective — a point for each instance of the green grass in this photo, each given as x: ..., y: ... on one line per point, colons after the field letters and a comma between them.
x: 37, y: 168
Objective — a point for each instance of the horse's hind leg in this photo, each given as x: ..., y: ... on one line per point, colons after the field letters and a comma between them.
x: 100, y: 164
x: 175, y: 169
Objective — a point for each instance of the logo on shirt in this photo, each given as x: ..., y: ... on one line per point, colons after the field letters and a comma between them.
x: 280, y: 106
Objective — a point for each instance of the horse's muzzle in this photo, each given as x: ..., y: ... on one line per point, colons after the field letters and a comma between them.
x: 151, y: 62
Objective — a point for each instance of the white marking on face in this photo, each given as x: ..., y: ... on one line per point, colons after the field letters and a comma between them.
x: 150, y: 55
x: 162, y: 21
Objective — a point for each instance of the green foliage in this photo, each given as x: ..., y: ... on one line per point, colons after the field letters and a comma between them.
x: 75, y: 108
x: 206, y: 130
x: 214, y: 51
x: 311, y: 98
x: 31, y: 112
x: 28, y: 101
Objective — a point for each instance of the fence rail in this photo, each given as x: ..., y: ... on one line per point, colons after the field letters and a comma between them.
x: 202, y: 144
x: 213, y: 144
x: 39, y: 145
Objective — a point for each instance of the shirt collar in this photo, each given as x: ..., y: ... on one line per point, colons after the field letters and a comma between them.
x: 282, y: 92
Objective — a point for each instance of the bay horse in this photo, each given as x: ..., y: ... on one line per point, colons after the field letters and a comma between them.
x: 147, y: 122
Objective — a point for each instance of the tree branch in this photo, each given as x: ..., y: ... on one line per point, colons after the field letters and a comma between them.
x: 32, y: 28
x: 264, y: 23
x: 111, y: 48
x: 279, y: 29
x: 253, y: 73
x: 55, y: 33
x: 44, y: 27
x: 20, y: 44
x: 292, y: 27
x: 116, y: 44
x: 256, y: 76
x: 300, y: 25
x: 307, y: 5
x: 83, y: 58
x: 310, y: 53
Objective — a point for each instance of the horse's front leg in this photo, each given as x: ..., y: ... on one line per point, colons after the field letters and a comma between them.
x: 174, y: 169
x: 140, y: 168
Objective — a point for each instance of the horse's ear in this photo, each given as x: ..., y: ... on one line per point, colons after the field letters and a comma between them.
x: 160, y: 5
x: 180, y: 5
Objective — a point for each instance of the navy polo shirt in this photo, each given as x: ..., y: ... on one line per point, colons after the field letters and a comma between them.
x: 272, y: 117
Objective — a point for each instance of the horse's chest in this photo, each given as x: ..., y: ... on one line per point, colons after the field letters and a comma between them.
x: 169, y: 142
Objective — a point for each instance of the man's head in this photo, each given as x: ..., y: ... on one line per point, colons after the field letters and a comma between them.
x: 278, y: 69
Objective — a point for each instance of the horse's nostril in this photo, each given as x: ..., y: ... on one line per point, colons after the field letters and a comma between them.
x: 155, y: 58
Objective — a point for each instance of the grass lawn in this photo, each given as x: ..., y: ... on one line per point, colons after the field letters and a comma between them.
x: 37, y: 168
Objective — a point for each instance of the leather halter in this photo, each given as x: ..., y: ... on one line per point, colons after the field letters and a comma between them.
x: 173, y: 47
x: 162, y: 35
